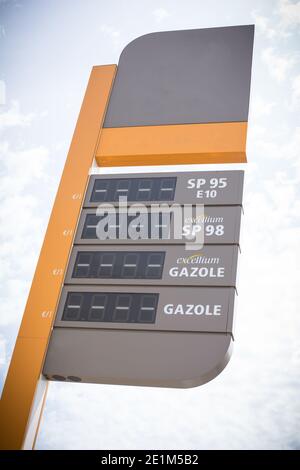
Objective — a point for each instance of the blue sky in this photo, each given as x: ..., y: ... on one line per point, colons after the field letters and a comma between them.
x: 47, y: 50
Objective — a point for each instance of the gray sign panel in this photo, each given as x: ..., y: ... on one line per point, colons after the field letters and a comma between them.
x: 221, y: 225
x: 163, y: 265
x: 181, y: 77
x: 130, y: 357
x: 205, y: 187
x: 202, y: 309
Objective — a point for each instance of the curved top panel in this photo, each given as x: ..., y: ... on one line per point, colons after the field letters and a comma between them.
x: 183, y: 77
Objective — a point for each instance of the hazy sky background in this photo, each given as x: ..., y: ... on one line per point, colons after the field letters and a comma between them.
x: 46, y: 54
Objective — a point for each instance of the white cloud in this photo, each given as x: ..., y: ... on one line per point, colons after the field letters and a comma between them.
x: 263, y: 25
x: 285, y: 148
x: 2, y: 350
x: 285, y: 18
x: 160, y: 14
x: 21, y: 212
x: 22, y: 166
x: 2, y: 92
x: 261, y: 107
x: 289, y: 13
x: 278, y: 64
x: 13, y: 117
x: 295, y: 91
x: 111, y: 32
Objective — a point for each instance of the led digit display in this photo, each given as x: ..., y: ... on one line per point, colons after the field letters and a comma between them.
x: 154, y: 226
x: 135, y: 189
x: 119, y: 265
x: 110, y: 307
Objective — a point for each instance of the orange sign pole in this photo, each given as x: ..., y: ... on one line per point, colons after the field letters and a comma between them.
x: 24, y: 391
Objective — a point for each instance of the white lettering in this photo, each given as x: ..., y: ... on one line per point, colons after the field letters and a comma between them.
x: 191, y: 271
x: 196, y: 183
x: 191, y: 309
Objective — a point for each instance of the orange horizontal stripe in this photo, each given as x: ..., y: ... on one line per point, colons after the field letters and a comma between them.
x: 174, y: 144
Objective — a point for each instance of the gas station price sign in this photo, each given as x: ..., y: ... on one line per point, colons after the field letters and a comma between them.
x: 148, y: 300
x: 150, y: 310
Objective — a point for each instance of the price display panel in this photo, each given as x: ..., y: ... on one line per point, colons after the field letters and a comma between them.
x: 221, y: 225
x: 144, y: 307
x: 213, y: 265
x: 205, y: 187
